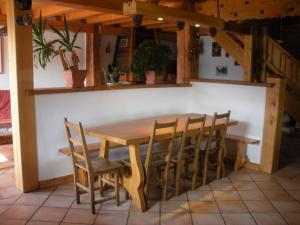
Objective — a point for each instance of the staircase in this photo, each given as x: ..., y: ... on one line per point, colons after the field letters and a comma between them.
x: 284, y: 64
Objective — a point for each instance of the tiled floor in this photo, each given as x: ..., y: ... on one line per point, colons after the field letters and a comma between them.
x: 243, y: 198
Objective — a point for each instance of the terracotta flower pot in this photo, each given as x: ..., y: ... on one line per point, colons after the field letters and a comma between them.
x: 75, y: 78
x: 150, y: 77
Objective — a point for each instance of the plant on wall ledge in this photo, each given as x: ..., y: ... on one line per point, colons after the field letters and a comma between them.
x: 150, y: 61
x: 44, y: 51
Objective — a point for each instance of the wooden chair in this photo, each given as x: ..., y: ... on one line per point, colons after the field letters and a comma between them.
x: 189, y: 152
x: 216, y: 143
x: 160, y: 159
x: 92, y: 167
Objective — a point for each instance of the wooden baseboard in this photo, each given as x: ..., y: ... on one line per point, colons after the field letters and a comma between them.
x: 55, y: 181
x: 252, y: 166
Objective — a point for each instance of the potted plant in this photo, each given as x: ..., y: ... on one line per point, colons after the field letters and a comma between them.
x: 150, y: 61
x: 64, y: 47
x: 112, y: 74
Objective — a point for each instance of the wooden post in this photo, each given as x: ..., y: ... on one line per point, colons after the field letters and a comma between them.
x: 183, y: 62
x: 132, y: 40
x: 272, y: 125
x: 194, y: 58
x: 23, y: 107
x: 93, y: 41
x: 248, y: 57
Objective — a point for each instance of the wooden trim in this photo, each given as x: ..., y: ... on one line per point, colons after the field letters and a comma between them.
x: 55, y: 181
x: 272, y: 125
x: 22, y: 105
x: 252, y: 166
x: 44, y: 91
x: 232, y: 82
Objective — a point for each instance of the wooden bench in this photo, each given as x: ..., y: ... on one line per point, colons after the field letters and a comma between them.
x: 241, y: 148
x: 91, y: 147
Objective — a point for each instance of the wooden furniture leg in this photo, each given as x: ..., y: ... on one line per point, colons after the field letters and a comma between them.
x: 104, y: 148
x: 135, y: 183
x: 241, y: 149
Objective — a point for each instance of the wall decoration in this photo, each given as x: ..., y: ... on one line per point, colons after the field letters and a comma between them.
x: 227, y: 54
x: 221, y: 70
x: 123, y: 43
x: 108, y: 48
x: 24, y: 4
x: 236, y: 63
x: 216, y: 50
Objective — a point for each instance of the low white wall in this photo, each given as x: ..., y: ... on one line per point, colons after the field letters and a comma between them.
x: 247, y: 104
x: 95, y: 108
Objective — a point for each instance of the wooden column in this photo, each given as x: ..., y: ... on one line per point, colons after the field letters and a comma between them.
x: 93, y: 65
x: 194, y: 58
x: 183, y: 62
x: 248, y: 57
x: 272, y: 125
x: 132, y: 40
x: 22, y: 105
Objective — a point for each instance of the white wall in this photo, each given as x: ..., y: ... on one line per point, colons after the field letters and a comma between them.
x: 208, y: 64
x: 95, y: 108
x: 247, y: 104
x: 103, y: 107
x: 4, y: 77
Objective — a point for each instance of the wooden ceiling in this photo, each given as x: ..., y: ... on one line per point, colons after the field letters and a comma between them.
x: 111, y: 12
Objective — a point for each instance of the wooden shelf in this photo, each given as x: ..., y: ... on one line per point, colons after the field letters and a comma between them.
x: 44, y: 91
x: 232, y: 82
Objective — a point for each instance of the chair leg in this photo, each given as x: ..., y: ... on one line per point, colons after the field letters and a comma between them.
x: 205, y: 167
x: 177, y: 177
x: 220, y: 161
x: 196, y: 169
x: 92, y: 198
x: 101, y: 185
x: 166, y: 183
x: 77, y: 193
x: 117, y: 188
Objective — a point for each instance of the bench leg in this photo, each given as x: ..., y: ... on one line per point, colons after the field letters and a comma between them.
x: 240, y: 160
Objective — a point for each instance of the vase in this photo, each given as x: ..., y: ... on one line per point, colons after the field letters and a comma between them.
x: 75, y: 78
x: 150, y: 77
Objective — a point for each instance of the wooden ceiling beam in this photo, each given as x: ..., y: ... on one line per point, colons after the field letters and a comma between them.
x: 170, y: 14
x: 160, y: 26
x: 118, y: 31
x: 114, y: 6
x: 105, y: 18
x: 81, y: 14
x: 48, y: 11
x: 144, y: 23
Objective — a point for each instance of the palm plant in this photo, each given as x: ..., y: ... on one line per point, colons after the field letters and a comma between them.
x: 45, y: 51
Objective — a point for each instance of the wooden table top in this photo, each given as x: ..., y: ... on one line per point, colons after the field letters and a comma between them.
x: 139, y: 131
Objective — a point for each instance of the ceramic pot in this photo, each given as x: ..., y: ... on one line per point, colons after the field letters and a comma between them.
x: 150, y: 77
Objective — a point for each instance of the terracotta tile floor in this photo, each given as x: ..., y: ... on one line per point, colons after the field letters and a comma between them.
x: 244, y: 197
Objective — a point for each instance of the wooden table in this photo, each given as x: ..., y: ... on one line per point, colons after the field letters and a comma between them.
x: 134, y: 133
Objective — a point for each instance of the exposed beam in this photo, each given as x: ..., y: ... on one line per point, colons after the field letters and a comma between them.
x: 114, y: 6
x: 118, y: 31
x: 105, y: 18
x: 160, y: 26
x: 48, y: 11
x: 144, y: 23
x: 81, y: 14
x: 170, y: 14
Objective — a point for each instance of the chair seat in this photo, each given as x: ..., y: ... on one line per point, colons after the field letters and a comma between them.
x: 102, y: 165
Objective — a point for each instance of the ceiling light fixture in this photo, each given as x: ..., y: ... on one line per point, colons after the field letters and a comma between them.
x: 160, y: 19
x: 197, y: 25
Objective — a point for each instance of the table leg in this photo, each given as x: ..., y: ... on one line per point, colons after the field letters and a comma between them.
x: 135, y: 183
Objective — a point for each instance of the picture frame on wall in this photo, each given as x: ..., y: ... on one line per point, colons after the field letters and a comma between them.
x: 221, y: 70
x: 123, y: 43
x: 216, y: 50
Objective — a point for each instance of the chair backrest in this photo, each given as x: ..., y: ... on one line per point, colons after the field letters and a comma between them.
x: 194, y: 127
x: 161, y: 132
x: 81, y: 157
x: 218, y: 129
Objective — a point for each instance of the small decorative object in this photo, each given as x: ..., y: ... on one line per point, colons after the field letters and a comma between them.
x: 24, y: 4
x: 44, y: 51
x: 112, y: 74
x: 150, y: 62
x: 212, y: 31
x: 108, y: 48
x: 25, y: 20
x: 216, y: 50
x: 221, y: 70
x: 236, y: 63
x: 123, y: 43
x: 227, y: 54
x: 137, y: 20
x: 180, y: 25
